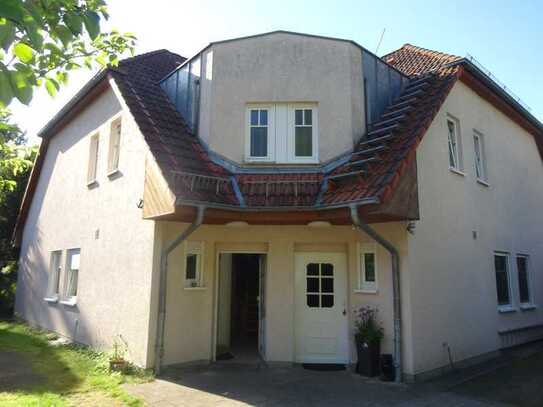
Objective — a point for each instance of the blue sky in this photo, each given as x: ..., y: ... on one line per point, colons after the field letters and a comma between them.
x: 505, y: 36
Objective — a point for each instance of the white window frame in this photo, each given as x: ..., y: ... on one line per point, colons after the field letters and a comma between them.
x: 71, y: 299
x: 458, y: 166
x: 504, y: 307
x: 114, y: 148
x: 271, y: 132
x: 479, y: 157
x: 291, y: 133
x: 53, y: 277
x: 194, y: 248
x: 364, y: 286
x: 92, y: 168
x: 530, y: 303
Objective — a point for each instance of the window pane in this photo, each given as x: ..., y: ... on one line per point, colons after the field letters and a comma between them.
x: 502, y: 283
x: 259, y: 141
x: 308, y: 117
x: 71, y: 284
x: 312, y: 300
x: 477, y: 150
x: 524, y: 289
x: 327, y: 301
x: 327, y: 269
x: 263, y: 117
x: 452, y: 144
x: 190, y: 271
x: 298, y: 120
x: 312, y: 269
x: 312, y: 285
x: 254, y: 117
x: 304, y: 142
x: 369, y: 267
x: 327, y: 285
x: 54, y: 274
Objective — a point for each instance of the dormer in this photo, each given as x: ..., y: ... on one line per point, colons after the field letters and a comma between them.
x: 282, y: 99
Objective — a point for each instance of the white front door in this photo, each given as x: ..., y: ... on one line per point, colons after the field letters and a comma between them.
x: 321, y: 327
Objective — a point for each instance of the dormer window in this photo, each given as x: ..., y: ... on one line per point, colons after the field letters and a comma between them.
x: 282, y: 133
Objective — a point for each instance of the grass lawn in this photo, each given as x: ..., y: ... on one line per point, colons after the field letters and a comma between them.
x: 57, y: 375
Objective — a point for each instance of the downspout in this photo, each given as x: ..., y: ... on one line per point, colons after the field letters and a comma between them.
x: 395, y: 258
x: 162, y: 287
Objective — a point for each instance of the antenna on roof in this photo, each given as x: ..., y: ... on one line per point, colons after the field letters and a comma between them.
x: 380, y: 40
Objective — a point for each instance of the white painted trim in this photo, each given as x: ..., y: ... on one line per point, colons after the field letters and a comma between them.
x: 72, y: 302
x: 197, y: 248
x: 457, y: 172
x: 51, y: 299
x: 291, y: 133
x: 270, y: 107
x: 364, y: 286
x: 528, y: 307
x: 483, y: 183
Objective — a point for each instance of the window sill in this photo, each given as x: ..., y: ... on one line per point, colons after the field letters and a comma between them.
x: 506, y: 309
x: 366, y: 291
x: 527, y: 307
x: 69, y: 303
x: 51, y: 299
x: 457, y: 172
x: 483, y: 182
x: 195, y: 288
x: 92, y: 184
x: 114, y: 173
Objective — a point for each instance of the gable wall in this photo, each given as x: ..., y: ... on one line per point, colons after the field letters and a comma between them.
x: 453, y: 286
x: 115, y: 274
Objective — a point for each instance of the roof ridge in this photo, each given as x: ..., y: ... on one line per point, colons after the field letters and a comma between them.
x: 423, y: 51
x: 150, y: 54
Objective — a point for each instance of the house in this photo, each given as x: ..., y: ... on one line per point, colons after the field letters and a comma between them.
x: 248, y: 200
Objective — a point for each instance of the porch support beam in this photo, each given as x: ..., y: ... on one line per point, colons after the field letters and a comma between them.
x: 162, y: 287
x: 395, y: 258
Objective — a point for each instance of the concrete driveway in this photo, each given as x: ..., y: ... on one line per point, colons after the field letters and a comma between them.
x: 227, y: 385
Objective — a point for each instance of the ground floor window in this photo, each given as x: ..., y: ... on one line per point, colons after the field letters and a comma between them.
x: 523, y: 279
x: 72, y: 273
x: 193, y: 264
x: 54, y: 275
x: 501, y: 269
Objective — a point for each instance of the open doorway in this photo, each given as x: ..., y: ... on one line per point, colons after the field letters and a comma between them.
x: 240, y: 311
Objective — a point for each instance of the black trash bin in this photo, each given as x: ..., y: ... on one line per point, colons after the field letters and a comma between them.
x: 387, y: 368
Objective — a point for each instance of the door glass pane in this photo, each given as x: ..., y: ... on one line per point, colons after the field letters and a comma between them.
x: 327, y: 285
x: 312, y: 285
x: 312, y: 269
x: 304, y: 142
x: 327, y: 269
x: 259, y: 141
x: 327, y: 301
x: 312, y: 300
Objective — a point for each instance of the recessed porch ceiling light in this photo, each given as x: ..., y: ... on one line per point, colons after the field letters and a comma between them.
x: 319, y: 224
x: 237, y: 224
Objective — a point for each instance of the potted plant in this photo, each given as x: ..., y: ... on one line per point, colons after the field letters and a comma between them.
x: 117, y: 362
x: 368, y: 336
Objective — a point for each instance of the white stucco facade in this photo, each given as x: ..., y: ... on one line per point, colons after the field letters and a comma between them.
x: 104, y: 222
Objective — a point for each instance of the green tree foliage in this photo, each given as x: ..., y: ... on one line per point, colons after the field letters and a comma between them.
x: 41, y: 41
x: 15, y: 163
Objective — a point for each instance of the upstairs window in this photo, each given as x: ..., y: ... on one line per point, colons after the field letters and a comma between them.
x: 282, y: 133
x: 454, y: 145
x: 501, y: 269
x: 479, y: 156
x: 259, y: 133
x: 93, y: 159
x: 303, y: 132
x: 523, y: 280
x: 114, y: 147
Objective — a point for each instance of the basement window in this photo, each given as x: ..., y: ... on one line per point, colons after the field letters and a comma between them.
x: 193, y: 265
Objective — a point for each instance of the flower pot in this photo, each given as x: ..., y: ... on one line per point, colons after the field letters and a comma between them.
x: 368, y: 358
x: 117, y: 365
